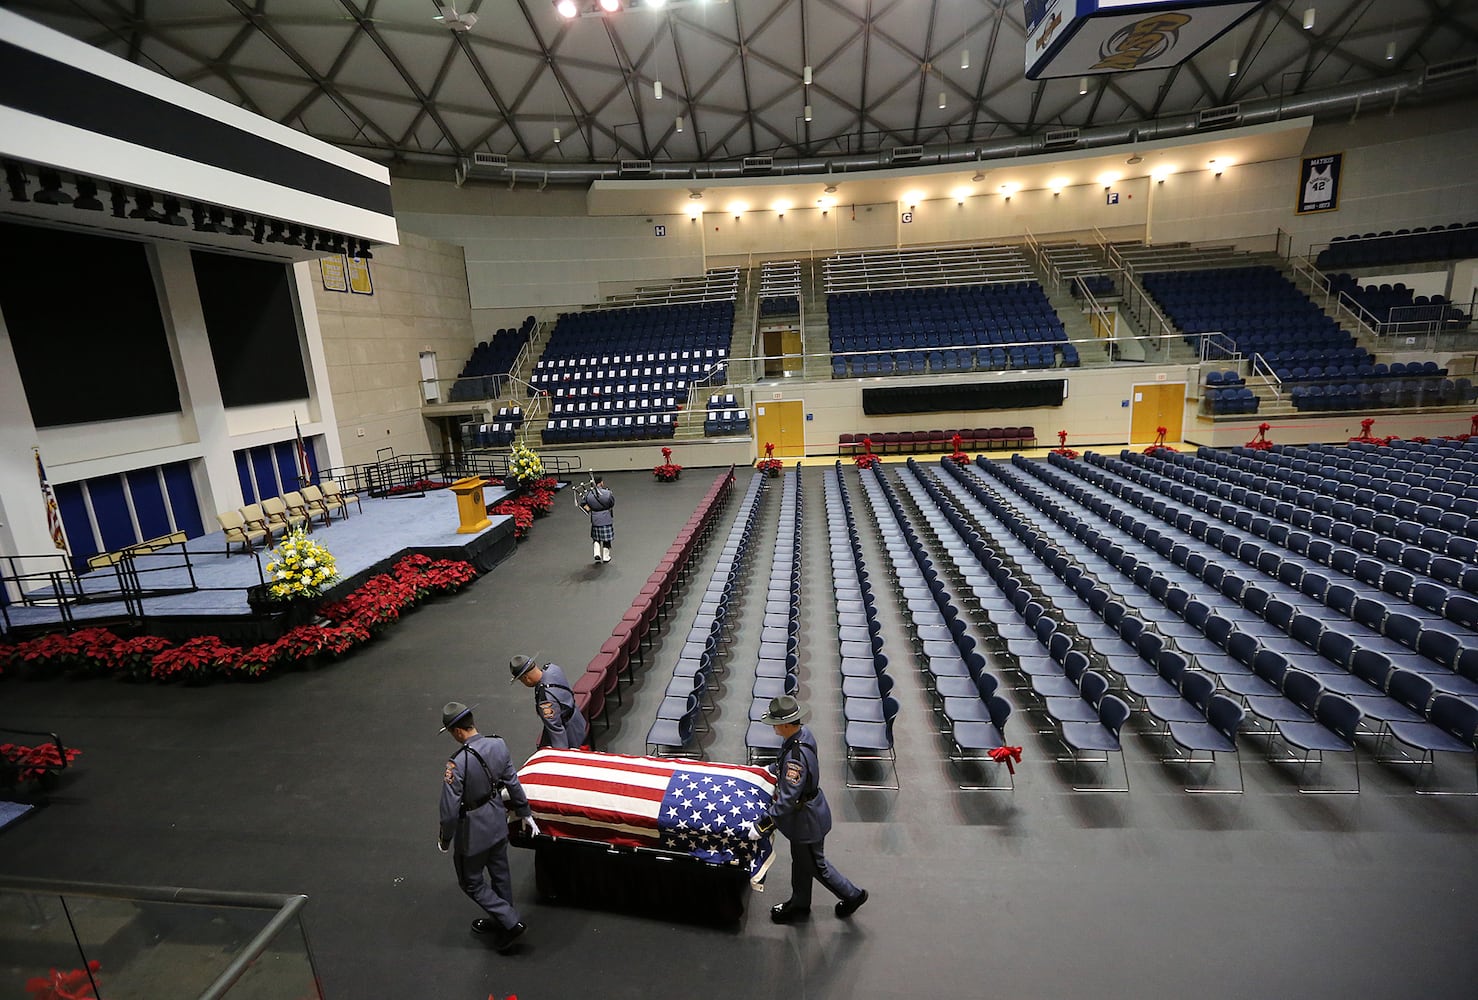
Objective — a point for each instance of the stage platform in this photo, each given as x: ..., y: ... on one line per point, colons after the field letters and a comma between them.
x: 363, y: 544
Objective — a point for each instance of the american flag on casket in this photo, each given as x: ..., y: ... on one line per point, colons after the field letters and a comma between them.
x: 702, y: 809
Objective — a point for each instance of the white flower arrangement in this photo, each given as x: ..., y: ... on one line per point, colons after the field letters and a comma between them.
x: 524, y: 466
x: 303, y: 568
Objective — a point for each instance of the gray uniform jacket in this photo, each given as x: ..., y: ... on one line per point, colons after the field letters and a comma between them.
x: 473, y: 818
x: 601, y: 502
x: 799, y: 808
x: 564, y: 726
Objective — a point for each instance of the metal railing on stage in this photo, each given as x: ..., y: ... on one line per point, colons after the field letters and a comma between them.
x: 156, y: 940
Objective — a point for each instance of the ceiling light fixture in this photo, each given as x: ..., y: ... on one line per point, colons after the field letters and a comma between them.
x: 1136, y: 158
x: 979, y: 176
x: 1390, y: 51
x: 806, y: 76
x: 566, y: 8
x: 556, y: 135
x: 943, y: 100
x: 1309, y: 19
x: 679, y: 123
x: 964, y: 59
x: 657, y: 90
x: 694, y: 194
x: 807, y: 114
x: 1082, y: 85
x: 449, y: 17
x: 1232, y: 67
x: 610, y: 6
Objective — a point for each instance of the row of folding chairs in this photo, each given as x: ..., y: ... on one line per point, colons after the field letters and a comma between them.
x: 867, y: 703
x: 688, y: 697
x: 776, y: 668
x: 975, y: 725
x: 1373, y: 559
x: 619, y: 654
x: 1449, y: 503
x: 1048, y: 643
x: 1269, y: 649
x: 269, y: 517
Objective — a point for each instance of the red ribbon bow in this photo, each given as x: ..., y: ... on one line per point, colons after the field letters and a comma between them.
x: 1010, y: 756
x: 667, y: 455
x: 769, y: 450
x: 1062, y: 437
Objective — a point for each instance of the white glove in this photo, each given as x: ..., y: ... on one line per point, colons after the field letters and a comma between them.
x: 531, y: 826
x: 441, y: 845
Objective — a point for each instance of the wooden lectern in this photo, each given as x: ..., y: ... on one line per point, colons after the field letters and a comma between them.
x: 470, y: 507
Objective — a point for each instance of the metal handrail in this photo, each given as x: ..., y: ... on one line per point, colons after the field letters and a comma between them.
x: 288, y: 908
x: 1259, y: 366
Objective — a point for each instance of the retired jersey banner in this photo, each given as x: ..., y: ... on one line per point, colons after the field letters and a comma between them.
x: 1092, y: 37
x: 702, y: 809
x: 1318, y: 183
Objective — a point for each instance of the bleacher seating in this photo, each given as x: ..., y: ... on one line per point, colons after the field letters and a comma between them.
x: 923, y: 267
x: 1455, y: 241
x: 622, y: 374
x: 719, y: 423
x: 975, y: 327
x: 1235, y: 399
x: 780, y: 288
x: 489, y: 359
x: 1399, y: 307
x: 1098, y: 285
x: 501, y: 432
x: 721, y: 284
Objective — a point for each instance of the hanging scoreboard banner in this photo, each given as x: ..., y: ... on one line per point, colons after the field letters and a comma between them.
x: 1318, y: 183
x: 1093, y: 37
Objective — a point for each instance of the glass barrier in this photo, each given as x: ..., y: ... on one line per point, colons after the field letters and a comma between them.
x: 116, y: 942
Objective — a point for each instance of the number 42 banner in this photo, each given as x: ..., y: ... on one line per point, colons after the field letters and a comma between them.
x: 1318, y: 183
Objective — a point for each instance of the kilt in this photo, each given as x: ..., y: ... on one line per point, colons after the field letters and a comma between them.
x: 603, y: 533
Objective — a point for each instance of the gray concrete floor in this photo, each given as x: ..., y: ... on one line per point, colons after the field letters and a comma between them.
x: 326, y: 782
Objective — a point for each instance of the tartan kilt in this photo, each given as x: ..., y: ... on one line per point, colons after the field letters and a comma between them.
x: 603, y: 533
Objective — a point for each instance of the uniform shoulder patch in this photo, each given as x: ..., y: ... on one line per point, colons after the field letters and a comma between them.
x: 547, y: 709
x: 794, y: 772
x: 451, y: 771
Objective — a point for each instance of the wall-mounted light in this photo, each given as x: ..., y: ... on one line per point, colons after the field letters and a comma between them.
x: 1057, y: 184
x: 1108, y: 180
x: 1218, y: 165
x: 738, y: 208
x: 912, y: 198
x: 781, y: 207
x: 1160, y: 173
x: 961, y: 193
x: 694, y: 210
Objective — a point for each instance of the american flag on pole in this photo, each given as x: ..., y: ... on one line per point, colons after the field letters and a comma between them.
x: 53, y: 513
x: 305, y: 471
x: 698, y: 808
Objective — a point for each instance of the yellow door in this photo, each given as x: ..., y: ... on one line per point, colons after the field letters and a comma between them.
x: 782, y: 423
x: 791, y: 344
x: 1156, y: 405
x: 774, y: 346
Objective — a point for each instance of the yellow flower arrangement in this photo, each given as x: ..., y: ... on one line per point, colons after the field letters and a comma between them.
x: 303, y: 568
x: 524, y: 466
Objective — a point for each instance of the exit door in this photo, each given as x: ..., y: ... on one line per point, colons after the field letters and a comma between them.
x: 1155, y: 405
x: 783, y: 424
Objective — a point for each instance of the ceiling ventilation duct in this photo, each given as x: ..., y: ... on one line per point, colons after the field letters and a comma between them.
x: 757, y: 164
x: 1060, y: 137
x: 906, y: 154
x: 1227, y: 114
x: 636, y: 167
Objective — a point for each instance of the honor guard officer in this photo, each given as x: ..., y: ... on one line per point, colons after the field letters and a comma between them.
x: 474, y: 823
x: 564, y: 726
x: 799, y: 811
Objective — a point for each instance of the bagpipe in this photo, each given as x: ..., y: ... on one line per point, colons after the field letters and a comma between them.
x: 583, y: 491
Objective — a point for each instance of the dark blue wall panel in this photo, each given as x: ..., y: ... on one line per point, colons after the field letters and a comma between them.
x: 287, y: 465
x: 75, y: 520
x: 110, y: 510
x: 261, y: 464
x: 148, y: 503
x: 243, y: 473
x: 182, y: 499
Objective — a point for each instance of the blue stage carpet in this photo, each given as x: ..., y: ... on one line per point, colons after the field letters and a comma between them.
x: 359, y: 543
x: 12, y: 811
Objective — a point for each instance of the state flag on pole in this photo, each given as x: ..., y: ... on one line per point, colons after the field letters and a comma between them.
x: 53, y: 513
x: 698, y: 808
x: 305, y: 471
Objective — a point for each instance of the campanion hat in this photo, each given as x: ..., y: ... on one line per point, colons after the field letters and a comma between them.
x: 784, y: 711
x: 520, y: 665
x: 453, y: 712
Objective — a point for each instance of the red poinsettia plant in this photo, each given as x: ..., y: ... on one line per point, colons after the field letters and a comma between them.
x: 35, y: 762
x: 1261, y: 442
x: 343, y: 625
x: 76, y: 984
x: 958, y: 455
x: 667, y: 471
x: 518, y: 508
x: 770, y: 465
x: 1062, y: 448
x: 867, y: 459
x: 1159, y: 444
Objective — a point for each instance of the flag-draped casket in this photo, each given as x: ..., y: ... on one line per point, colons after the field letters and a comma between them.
x: 701, y: 809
